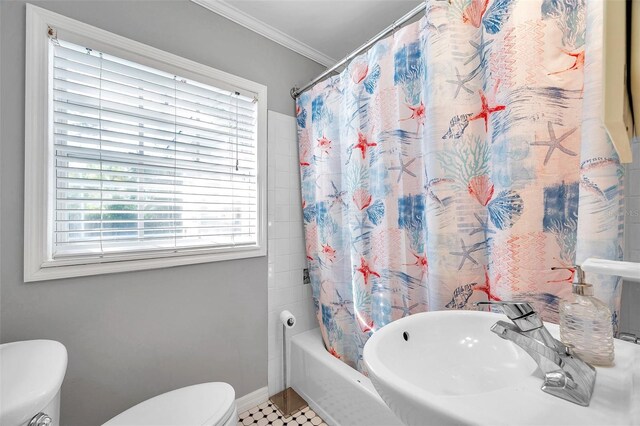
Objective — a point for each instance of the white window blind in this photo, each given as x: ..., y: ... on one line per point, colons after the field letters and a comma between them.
x: 147, y: 161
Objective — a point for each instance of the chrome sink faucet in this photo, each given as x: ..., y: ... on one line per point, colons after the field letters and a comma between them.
x: 565, y: 375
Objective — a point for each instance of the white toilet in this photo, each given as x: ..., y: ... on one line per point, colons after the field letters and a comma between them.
x: 206, y: 404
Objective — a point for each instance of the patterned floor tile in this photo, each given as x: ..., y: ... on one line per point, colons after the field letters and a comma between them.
x: 266, y: 414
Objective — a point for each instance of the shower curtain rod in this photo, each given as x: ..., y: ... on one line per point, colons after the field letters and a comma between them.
x: 295, y: 91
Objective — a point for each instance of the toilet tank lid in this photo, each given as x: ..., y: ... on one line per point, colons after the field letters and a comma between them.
x: 198, y: 405
x: 31, y: 373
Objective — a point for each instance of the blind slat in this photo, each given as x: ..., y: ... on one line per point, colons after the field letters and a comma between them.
x: 92, y: 107
x: 228, y: 221
x: 132, y: 163
x: 169, y: 148
x: 130, y: 238
x: 110, y: 122
x: 94, y: 194
x: 61, y: 139
x: 151, y: 229
x: 64, y: 132
x: 66, y: 92
x: 201, y: 213
x: 88, y: 106
x: 118, y: 179
x: 153, y: 191
x: 134, y: 75
x: 87, y: 182
x: 116, y: 92
x: 119, y: 150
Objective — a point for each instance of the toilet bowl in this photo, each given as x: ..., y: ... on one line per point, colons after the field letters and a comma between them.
x: 206, y: 404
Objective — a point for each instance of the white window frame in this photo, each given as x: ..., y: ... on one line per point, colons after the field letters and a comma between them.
x: 38, y: 224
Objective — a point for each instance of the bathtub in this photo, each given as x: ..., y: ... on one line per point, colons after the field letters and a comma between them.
x: 341, y: 395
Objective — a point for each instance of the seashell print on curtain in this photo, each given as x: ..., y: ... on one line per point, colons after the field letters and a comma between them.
x: 458, y: 160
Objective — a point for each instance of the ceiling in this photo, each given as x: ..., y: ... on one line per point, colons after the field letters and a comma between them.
x: 332, y: 27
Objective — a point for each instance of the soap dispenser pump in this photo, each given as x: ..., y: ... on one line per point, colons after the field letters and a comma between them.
x: 586, y: 323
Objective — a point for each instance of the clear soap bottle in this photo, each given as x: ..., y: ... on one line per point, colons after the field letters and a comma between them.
x: 586, y: 324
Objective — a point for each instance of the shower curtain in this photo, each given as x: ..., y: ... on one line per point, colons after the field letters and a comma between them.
x: 458, y: 160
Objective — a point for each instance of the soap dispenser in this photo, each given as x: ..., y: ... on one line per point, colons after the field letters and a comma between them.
x: 585, y: 324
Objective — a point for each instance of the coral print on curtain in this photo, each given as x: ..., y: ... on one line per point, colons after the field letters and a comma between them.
x: 458, y: 160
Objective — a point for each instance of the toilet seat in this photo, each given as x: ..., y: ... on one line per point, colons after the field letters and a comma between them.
x: 206, y: 404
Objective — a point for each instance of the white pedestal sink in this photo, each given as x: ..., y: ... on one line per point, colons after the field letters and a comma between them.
x: 447, y: 367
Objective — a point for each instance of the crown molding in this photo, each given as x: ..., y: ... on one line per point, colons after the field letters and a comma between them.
x: 236, y: 15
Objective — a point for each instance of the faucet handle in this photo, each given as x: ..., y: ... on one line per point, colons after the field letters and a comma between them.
x: 521, y: 313
x: 511, y: 309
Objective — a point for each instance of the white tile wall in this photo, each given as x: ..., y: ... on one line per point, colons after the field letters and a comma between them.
x: 286, y: 249
x: 630, y: 310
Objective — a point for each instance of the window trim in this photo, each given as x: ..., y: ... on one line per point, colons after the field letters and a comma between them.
x: 38, y: 203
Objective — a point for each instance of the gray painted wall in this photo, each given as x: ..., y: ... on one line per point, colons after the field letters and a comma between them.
x: 134, y: 335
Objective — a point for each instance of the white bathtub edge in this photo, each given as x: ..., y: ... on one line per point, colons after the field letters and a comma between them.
x: 337, y: 392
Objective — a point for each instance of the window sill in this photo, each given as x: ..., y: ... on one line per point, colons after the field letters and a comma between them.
x: 55, y: 270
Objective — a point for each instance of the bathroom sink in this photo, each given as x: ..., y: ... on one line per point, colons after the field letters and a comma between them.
x: 31, y: 373
x: 448, y: 367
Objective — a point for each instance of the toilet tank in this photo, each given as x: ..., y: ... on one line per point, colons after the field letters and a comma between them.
x: 31, y: 373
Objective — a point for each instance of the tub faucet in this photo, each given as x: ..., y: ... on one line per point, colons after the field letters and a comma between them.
x: 565, y: 375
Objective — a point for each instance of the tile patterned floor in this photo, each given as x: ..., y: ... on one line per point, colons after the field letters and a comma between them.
x: 267, y: 414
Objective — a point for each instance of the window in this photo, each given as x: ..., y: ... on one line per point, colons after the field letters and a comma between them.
x: 136, y: 158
